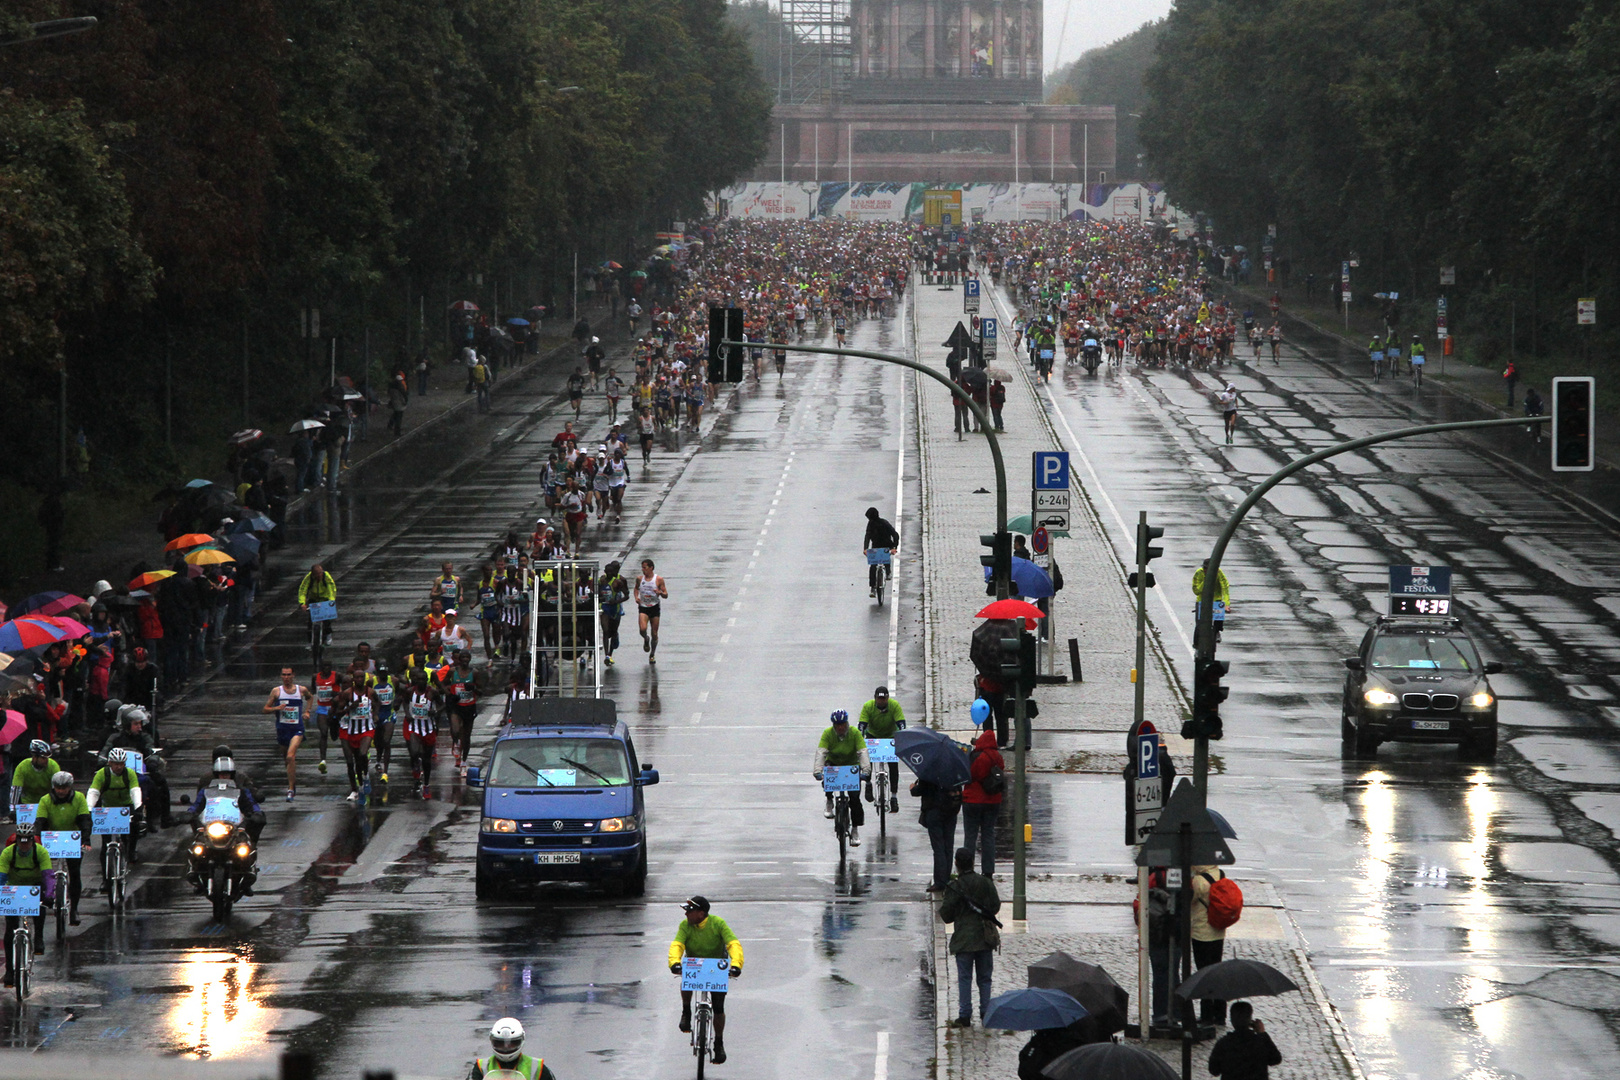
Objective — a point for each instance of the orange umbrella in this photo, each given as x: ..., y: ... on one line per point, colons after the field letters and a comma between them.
x: 208, y: 557
x: 151, y: 577
x: 190, y: 540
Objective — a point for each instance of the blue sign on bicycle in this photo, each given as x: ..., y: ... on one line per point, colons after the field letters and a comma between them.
x: 62, y: 845
x: 840, y: 778
x: 877, y: 556
x: 19, y: 900
x: 109, y: 820
x: 323, y: 611
x: 1219, y: 615
x: 135, y: 762
x: 705, y: 973
x: 880, y: 751
x: 26, y: 813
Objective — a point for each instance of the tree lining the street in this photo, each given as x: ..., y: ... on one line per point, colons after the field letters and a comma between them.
x: 189, y: 175
x: 1478, y: 134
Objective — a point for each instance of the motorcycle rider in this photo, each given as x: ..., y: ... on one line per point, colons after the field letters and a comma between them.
x: 116, y: 784
x: 63, y: 810
x: 507, y: 1056
x: 246, y: 801
x: 132, y: 734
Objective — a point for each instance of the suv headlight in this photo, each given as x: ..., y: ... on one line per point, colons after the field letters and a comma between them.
x: 498, y: 825
x: 1380, y: 697
x: 1482, y: 700
x: 619, y: 824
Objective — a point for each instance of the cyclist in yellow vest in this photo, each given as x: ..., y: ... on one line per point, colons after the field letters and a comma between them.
x: 508, y: 1061
x: 704, y: 935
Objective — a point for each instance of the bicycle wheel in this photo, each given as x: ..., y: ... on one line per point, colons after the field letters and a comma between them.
x: 700, y: 1040
x: 881, y: 791
x: 880, y: 586
x: 21, y: 947
x: 115, y: 884
x: 315, y: 643
x: 841, y: 824
x: 61, y: 912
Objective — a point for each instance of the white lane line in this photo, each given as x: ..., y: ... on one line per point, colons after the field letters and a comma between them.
x: 1096, y: 481
x: 899, y: 501
x: 880, y: 1071
x: 696, y: 717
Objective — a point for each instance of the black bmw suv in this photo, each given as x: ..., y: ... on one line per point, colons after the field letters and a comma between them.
x: 1419, y: 680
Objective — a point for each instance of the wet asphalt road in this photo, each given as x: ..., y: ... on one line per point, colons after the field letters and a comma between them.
x: 364, y: 944
x: 1465, y: 919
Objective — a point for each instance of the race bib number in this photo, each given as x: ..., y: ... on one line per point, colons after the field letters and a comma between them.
x: 109, y: 820
x: 705, y: 973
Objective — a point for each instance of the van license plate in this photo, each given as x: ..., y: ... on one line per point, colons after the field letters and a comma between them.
x: 553, y: 858
x: 1431, y: 725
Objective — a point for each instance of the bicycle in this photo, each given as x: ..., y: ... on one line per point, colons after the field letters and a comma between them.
x: 880, y: 795
x: 61, y: 904
x: 22, y: 957
x: 880, y: 567
x: 114, y: 861
x: 843, y: 782
x: 322, y: 614
x: 703, y: 976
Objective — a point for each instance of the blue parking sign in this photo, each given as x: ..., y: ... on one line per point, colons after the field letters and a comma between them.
x: 987, y: 329
x: 1051, y: 470
x: 1147, y: 755
x: 971, y: 285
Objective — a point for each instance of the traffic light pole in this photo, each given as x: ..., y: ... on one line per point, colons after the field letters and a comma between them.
x: 1204, y: 630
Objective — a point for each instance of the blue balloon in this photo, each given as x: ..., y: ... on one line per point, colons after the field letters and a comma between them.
x: 981, y: 711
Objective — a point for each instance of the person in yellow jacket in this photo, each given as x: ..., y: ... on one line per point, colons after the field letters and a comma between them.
x: 703, y: 935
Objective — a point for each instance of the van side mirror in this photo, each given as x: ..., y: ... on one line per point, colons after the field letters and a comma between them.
x: 1493, y: 667
x: 475, y: 776
x: 1354, y: 663
x: 648, y: 777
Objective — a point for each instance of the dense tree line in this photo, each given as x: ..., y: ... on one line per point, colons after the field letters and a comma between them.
x: 180, y: 182
x: 1419, y: 134
x: 1112, y: 74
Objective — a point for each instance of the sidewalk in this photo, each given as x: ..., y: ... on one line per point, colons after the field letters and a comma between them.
x: 1081, y: 728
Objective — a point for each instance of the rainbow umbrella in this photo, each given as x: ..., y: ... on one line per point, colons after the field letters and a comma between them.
x: 26, y: 635
x: 55, y: 602
x: 150, y: 578
x: 73, y: 628
x: 190, y: 540
x: 16, y: 723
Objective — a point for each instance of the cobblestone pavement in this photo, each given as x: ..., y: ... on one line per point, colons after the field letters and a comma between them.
x: 1080, y: 730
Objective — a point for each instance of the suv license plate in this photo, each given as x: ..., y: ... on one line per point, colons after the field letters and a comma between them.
x: 552, y: 858
x: 1431, y: 725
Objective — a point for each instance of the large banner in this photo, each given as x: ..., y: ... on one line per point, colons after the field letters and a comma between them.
x: 773, y: 201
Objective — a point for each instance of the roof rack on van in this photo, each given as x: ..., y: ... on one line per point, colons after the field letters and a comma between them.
x: 564, y: 712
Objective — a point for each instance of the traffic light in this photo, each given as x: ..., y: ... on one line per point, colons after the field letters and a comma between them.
x: 1208, y: 693
x: 717, y: 334
x: 1000, y: 558
x: 1018, y: 661
x: 736, y: 330
x: 1574, y: 422
x: 1145, y: 535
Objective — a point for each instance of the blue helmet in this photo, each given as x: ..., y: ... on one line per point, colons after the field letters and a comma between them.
x: 839, y: 716
x: 981, y: 711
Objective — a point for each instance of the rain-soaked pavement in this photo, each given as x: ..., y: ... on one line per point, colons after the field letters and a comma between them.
x: 364, y: 944
x: 1464, y: 918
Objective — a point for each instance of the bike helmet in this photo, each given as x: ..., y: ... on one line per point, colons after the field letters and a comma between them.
x: 839, y: 716
x: 39, y: 748
x: 115, y: 756
x: 25, y: 831
x: 980, y: 711
x: 62, y: 779
x: 506, y: 1040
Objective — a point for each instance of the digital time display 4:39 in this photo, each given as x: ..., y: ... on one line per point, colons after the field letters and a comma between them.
x: 1419, y: 605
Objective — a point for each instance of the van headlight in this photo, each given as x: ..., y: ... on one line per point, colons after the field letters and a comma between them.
x: 1380, y: 697
x: 1482, y: 700
x: 619, y: 824
x: 498, y: 825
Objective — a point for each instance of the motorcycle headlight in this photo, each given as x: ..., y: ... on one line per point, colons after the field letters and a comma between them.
x: 619, y: 824
x: 243, y: 851
x: 196, y: 849
x: 1380, y: 697
x: 498, y: 825
x: 1481, y: 700
x: 218, y: 830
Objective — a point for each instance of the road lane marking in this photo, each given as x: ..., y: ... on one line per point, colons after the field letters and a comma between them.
x: 880, y: 1071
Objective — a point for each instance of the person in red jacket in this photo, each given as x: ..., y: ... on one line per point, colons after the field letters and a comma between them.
x: 981, y: 798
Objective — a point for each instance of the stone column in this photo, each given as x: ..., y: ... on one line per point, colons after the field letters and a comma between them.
x: 930, y: 29
x: 863, y: 31
x: 964, y: 41
x: 998, y: 55
x: 894, y: 39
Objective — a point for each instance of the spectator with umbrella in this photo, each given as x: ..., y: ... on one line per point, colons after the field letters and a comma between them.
x: 399, y: 398
x: 941, y: 767
x: 1246, y: 1052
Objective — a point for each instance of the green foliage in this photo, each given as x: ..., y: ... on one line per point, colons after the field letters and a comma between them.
x: 1112, y: 75
x: 1479, y: 134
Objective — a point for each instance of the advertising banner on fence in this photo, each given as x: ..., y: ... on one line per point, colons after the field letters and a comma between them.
x: 965, y: 203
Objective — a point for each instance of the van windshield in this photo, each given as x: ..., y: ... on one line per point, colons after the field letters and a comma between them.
x: 559, y: 762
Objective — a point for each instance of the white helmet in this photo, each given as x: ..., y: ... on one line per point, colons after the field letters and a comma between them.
x: 506, y: 1040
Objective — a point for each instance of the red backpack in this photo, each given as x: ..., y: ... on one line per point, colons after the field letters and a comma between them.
x: 1225, y: 902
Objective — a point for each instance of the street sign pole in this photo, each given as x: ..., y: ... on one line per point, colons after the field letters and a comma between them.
x: 1139, y: 673
x: 1020, y: 812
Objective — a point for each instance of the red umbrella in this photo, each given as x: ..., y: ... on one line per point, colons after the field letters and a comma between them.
x: 1013, y: 609
x: 14, y: 726
x: 463, y: 305
x: 27, y: 634
x: 54, y: 602
x: 72, y: 628
x: 189, y: 540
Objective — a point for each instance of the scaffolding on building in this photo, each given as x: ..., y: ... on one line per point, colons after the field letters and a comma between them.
x: 816, y: 53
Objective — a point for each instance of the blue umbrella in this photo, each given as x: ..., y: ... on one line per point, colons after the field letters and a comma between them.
x: 517, y: 322
x: 933, y: 756
x: 1222, y: 826
x: 198, y: 483
x: 1032, y: 1009
x: 1028, y: 580
x: 251, y: 524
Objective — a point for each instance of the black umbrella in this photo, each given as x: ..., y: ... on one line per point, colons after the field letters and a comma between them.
x: 1110, y: 1061
x: 1230, y: 980
x: 984, y: 647
x: 973, y: 378
x: 1105, y: 1000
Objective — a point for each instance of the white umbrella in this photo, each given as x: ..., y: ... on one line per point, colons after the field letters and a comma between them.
x: 305, y: 425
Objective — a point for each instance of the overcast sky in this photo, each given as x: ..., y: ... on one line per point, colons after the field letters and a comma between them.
x: 1093, y: 23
